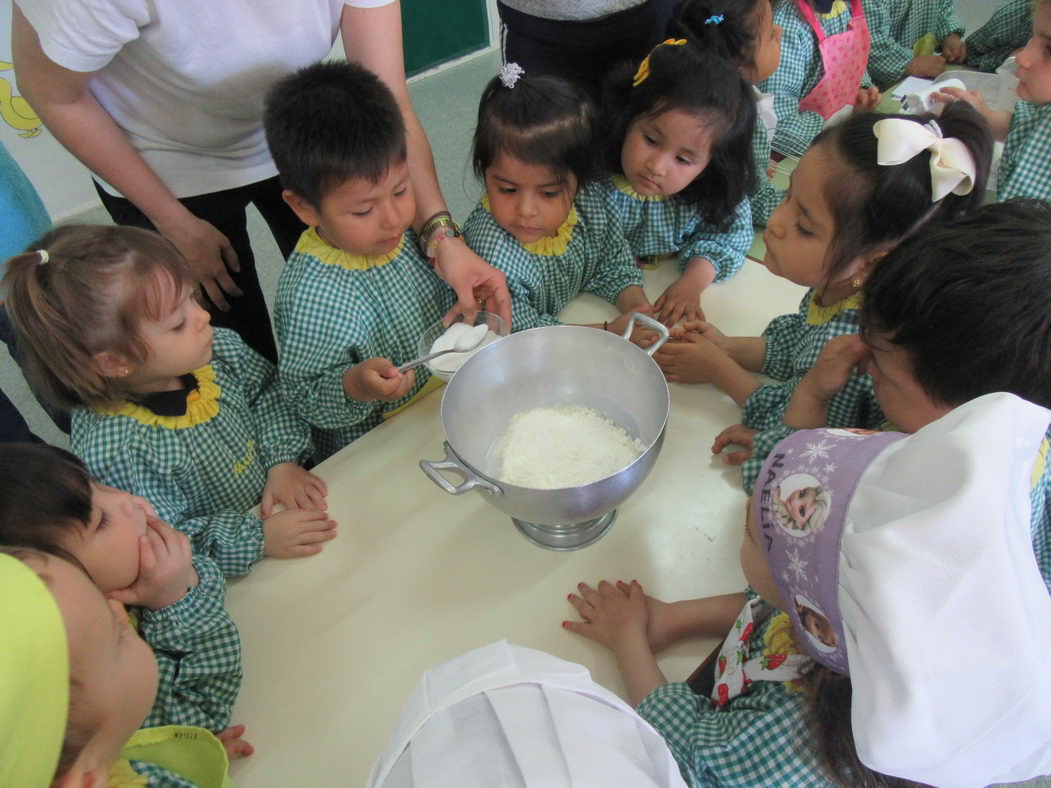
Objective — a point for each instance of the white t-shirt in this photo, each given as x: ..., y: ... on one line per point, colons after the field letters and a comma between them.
x: 185, y: 79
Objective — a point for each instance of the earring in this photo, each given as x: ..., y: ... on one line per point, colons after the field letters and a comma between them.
x: 124, y: 372
x: 856, y: 283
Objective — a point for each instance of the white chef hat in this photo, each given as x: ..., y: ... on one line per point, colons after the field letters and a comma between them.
x: 942, y: 616
x: 508, y: 715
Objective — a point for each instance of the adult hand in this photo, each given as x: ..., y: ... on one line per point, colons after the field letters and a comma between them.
x: 928, y: 66
x: 475, y: 281
x: 293, y: 487
x: 739, y: 435
x: 296, y: 533
x: 166, y: 570
x: 209, y: 253
x: 954, y: 48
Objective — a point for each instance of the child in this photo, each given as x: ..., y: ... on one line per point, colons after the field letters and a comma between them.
x: 356, y: 294
x: 163, y: 406
x: 679, y: 150
x: 1025, y: 168
x: 48, y: 502
x: 79, y: 682
x: 843, y: 211
x: 540, y: 220
x: 906, y: 34
x: 1007, y: 30
x: 998, y: 261
x: 742, y: 32
x: 867, y: 675
x: 822, y: 75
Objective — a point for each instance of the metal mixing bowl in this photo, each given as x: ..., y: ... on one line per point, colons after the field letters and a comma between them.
x: 544, y: 367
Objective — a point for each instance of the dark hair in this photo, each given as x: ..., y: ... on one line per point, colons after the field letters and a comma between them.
x: 44, y: 491
x: 91, y: 295
x: 331, y: 122
x: 874, y: 205
x: 683, y: 78
x: 543, y: 120
x: 733, y: 39
x: 828, y: 697
x: 969, y: 303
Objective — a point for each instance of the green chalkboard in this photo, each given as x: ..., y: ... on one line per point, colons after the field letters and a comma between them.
x: 436, y: 31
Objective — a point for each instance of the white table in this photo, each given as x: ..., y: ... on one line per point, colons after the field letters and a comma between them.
x: 333, y: 644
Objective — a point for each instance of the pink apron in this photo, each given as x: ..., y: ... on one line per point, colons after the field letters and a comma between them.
x: 844, y: 56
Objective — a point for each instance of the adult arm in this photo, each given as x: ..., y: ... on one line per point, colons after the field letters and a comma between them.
x: 62, y: 99
x: 372, y: 37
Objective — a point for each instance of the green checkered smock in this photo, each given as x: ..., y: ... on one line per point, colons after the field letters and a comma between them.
x: 663, y: 225
x: 1040, y: 515
x: 896, y: 25
x: 1008, y: 29
x: 798, y: 73
x: 589, y: 254
x: 335, y: 309
x: 766, y: 197
x: 793, y: 343
x: 198, y: 655
x: 1025, y: 168
x: 203, y: 476
x: 760, y: 738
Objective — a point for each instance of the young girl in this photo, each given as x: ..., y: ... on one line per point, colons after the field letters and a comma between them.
x: 540, y: 220
x: 822, y: 75
x: 79, y: 682
x: 864, y: 185
x: 846, y: 663
x: 679, y: 150
x: 163, y: 406
x: 48, y: 502
x: 742, y: 32
x: 1025, y: 168
x: 1007, y: 30
x: 906, y: 34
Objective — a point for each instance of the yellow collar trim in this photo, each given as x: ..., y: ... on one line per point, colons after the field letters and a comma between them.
x: 201, y: 405
x: 838, y: 8
x: 624, y: 186
x: 549, y: 245
x: 313, y: 244
x: 818, y: 315
x: 1040, y: 464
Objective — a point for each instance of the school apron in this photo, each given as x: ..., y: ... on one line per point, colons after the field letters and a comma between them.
x: 844, y: 56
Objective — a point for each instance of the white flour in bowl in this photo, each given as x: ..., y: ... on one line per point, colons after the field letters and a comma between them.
x: 565, y: 446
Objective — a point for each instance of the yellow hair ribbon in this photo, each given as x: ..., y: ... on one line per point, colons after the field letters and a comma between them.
x: 644, y: 67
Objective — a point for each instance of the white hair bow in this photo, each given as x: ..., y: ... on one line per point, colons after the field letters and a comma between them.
x: 952, y: 165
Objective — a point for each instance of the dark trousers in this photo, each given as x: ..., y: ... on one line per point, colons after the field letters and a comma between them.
x: 13, y: 428
x: 582, y: 52
x: 225, y: 210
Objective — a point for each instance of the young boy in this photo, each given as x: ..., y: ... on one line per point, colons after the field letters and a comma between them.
x: 49, y: 503
x: 959, y: 311
x: 357, y: 293
x: 78, y: 682
x: 1025, y: 168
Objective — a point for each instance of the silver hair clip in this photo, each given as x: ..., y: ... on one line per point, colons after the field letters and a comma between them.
x: 510, y: 73
x: 935, y: 128
x: 43, y: 255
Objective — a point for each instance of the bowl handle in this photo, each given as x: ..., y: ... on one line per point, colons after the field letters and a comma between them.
x: 652, y: 324
x: 452, y: 463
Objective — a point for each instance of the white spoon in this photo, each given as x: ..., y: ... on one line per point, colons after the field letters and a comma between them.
x: 468, y: 340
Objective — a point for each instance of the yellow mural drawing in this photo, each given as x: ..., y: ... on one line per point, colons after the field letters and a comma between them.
x: 15, y: 110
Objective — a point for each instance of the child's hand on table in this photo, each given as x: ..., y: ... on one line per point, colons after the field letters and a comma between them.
x: 682, y: 299
x: 954, y: 48
x: 640, y: 334
x: 737, y: 434
x: 235, y: 746
x: 867, y: 99
x: 690, y: 360
x: 616, y: 617
x: 292, y: 487
x: 296, y: 533
x: 166, y: 570
x: 377, y: 379
x: 928, y: 66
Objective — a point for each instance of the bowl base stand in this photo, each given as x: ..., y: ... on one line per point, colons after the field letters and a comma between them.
x: 566, y: 536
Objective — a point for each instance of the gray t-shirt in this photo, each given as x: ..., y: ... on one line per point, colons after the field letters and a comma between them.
x: 571, y: 10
